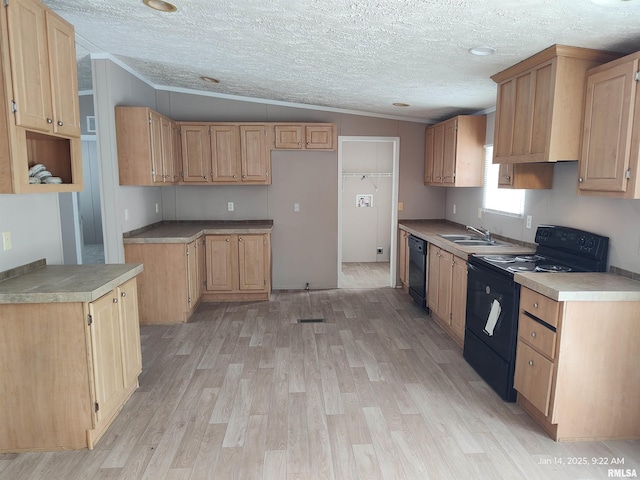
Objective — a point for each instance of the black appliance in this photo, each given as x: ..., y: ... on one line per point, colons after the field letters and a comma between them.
x: 417, y: 270
x: 493, y: 297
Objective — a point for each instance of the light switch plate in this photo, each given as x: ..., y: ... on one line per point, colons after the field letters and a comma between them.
x: 230, y: 206
x: 296, y: 207
x: 529, y: 218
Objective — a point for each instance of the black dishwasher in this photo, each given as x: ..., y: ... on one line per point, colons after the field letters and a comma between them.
x: 417, y: 270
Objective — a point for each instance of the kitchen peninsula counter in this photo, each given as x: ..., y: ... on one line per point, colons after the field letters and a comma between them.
x: 578, y: 286
x: 188, y: 231
x: 65, y: 283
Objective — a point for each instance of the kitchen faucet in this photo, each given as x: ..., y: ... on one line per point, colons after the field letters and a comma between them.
x: 481, y: 231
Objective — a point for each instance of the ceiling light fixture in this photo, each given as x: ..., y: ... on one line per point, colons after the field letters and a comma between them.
x: 482, y: 51
x: 210, y: 79
x: 400, y: 104
x: 613, y: 3
x: 160, y: 5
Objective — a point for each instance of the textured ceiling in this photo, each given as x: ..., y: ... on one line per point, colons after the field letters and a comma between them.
x: 360, y: 55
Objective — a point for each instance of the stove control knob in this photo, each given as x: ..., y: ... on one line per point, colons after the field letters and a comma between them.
x: 582, y: 241
x: 591, y: 243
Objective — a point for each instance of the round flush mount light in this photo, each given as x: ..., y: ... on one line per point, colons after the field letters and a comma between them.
x: 482, y: 51
x: 160, y: 5
x: 210, y: 79
x: 400, y: 104
x: 614, y: 3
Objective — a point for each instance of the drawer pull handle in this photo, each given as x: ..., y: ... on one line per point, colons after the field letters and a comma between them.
x: 535, y: 304
x: 533, y: 334
x: 531, y: 363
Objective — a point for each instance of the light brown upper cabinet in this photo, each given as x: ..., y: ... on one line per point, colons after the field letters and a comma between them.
x: 454, y: 152
x: 226, y: 153
x: 530, y: 176
x: 40, y: 118
x: 145, y: 147
x: 610, y: 157
x: 539, y: 105
x: 309, y: 136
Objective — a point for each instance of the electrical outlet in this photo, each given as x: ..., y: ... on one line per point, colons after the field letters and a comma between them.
x: 230, y: 206
x: 454, y: 208
x: 126, y: 214
x: 296, y: 207
x: 529, y: 218
x: 400, y: 206
x: 479, y: 212
x: 157, y: 208
x: 6, y: 241
x: 379, y: 250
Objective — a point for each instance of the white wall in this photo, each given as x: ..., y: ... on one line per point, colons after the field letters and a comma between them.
x: 617, y: 219
x: 34, y: 223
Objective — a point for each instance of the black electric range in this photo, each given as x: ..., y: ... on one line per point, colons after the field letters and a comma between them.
x: 493, y: 297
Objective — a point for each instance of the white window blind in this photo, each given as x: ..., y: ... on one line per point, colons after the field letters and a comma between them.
x: 501, y: 200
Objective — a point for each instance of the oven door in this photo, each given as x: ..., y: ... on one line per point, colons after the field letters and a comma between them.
x: 492, y: 309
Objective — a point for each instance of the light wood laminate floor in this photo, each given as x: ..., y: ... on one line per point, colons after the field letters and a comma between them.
x: 376, y: 391
x: 365, y: 275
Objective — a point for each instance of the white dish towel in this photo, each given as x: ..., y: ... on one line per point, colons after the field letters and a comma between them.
x: 496, y: 308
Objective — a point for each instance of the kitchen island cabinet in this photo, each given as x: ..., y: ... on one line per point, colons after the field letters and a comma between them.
x: 71, y: 354
x: 539, y: 105
x: 610, y: 157
x: 576, y: 369
x: 40, y: 118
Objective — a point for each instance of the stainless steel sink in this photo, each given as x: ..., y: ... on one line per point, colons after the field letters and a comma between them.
x: 477, y: 243
x: 456, y: 237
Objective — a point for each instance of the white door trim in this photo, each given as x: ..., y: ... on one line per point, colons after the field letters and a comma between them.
x: 393, y: 269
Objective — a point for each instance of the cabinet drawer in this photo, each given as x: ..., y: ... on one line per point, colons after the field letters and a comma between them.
x: 533, y: 377
x: 540, y: 306
x: 538, y: 336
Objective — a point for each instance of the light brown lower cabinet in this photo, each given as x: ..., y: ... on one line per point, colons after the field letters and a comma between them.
x: 576, y: 367
x: 403, y: 259
x: 171, y: 284
x: 67, y: 370
x: 238, y: 267
x: 447, y: 291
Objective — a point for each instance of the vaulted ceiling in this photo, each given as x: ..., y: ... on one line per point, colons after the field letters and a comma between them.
x: 358, y: 55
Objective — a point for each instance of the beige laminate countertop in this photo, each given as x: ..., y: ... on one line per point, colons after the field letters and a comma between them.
x: 185, y: 232
x: 66, y: 283
x: 594, y: 287
x: 430, y: 230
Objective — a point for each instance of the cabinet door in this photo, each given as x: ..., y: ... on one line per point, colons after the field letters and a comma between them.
x: 433, y: 274
x: 29, y: 64
x: 176, y: 144
x: 445, y: 272
x: 64, y: 78
x: 533, y: 377
x: 255, y: 153
x: 225, y: 144
x: 319, y: 137
x: 166, y: 136
x: 192, y: 275
x: 222, y: 263
x: 155, y: 125
x: 288, y: 136
x: 200, y: 264
x: 106, y: 355
x: 458, y: 296
x: 505, y: 110
x: 438, y: 152
x: 428, y: 155
x: 449, y: 151
x: 608, y: 119
x: 251, y: 262
x: 505, y: 175
x: 196, y: 153
x: 127, y: 295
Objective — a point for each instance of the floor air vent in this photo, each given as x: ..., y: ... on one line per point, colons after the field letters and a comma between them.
x: 311, y: 320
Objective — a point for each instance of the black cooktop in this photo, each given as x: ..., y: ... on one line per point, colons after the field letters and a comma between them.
x: 560, y: 249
